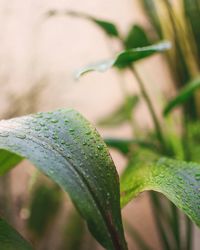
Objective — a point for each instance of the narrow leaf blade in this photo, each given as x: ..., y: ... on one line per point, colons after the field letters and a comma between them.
x: 179, y: 181
x: 108, y: 27
x: 64, y: 146
x: 10, y: 239
x: 125, y: 58
x: 183, y: 96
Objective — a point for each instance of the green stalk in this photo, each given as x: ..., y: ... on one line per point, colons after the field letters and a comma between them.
x: 189, y: 225
x: 189, y: 233
x: 136, y: 237
x: 147, y: 99
x: 175, y: 223
x: 155, y: 204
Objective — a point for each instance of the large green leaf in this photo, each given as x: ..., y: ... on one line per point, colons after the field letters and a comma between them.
x: 136, y: 37
x: 68, y: 149
x: 8, y: 160
x: 179, y: 181
x: 10, y: 239
x: 122, y: 114
x: 182, y: 96
x: 109, y: 28
x: 125, y: 58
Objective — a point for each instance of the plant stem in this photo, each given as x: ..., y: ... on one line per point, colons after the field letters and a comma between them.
x: 189, y: 233
x: 150, y: 107
x: 155, y: 203
x: 175, y: 224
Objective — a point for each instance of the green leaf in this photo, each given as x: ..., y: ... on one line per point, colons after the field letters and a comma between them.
x: 122, y: 114
x: 109, y: 28
x: 8, y: 161
x: 179, y: 181
x: 64, y: 146
x: 182, y: 96
x: 125, y: 145
x: 125, y: 58
x: 136, y: 38
x: 10, y: 239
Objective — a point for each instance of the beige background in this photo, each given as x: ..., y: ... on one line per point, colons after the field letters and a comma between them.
x: 35, y: 50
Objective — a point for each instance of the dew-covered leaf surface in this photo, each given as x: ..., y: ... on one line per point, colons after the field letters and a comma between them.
x: 64, y: 146
x: 10, y: 239
x: 179, y: 181
x: 125, y: 58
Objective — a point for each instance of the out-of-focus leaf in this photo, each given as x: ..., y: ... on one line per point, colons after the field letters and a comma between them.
x: 137, y: 237
x: 11, y: 239
x: 193, y: 140
x: 150, y: 9
x: 192, y: 13
x: 68, y: 149
x: 8, y: 161
x: 179, y: 181
x: 109, y: 28
x: 136, y: 38
x: 40, y: 218
x: 182, y: 96
x: 122, y: 114
x: 125, y: 145
x: 73, y: 232
x: 125, y: 58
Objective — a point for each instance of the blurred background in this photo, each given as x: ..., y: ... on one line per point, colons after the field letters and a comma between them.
x: 39, y: 55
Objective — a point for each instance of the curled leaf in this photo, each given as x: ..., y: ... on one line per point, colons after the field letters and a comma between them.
x: 64, y: 146
x: 179, y: 181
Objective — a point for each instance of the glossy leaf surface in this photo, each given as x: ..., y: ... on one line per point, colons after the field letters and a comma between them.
x: 179, y: 181
x: 10, y: 239
x: 182, y: 96
x: 125, y: 58
x: 64, y: 146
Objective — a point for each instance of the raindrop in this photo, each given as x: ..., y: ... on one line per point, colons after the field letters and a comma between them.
x: 4, y: 134
x: 54, y: 121
x: 21, y: 136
